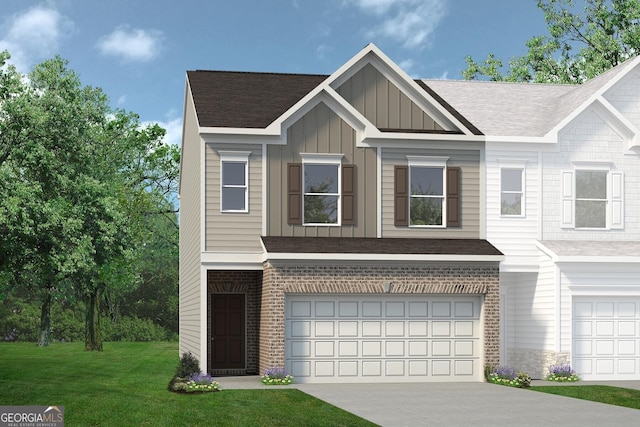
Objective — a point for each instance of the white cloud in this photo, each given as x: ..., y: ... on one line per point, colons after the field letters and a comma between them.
x: 132, y: 44
x: 174, y: 130
x: 410, y: 22
x: 35, y: 35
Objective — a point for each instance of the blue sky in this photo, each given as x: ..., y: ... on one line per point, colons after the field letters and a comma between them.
x: 138, y: 51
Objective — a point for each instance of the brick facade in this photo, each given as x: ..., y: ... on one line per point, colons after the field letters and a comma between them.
x: 280, y: 278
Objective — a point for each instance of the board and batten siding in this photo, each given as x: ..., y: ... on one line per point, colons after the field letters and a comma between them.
x: 382, y: 102
x: 321, y: 131
x: 514, y: 236
x: 190, y: 324
x: 467, y: 160
x: 233, y: 231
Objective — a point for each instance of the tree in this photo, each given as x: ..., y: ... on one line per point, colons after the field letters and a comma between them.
x: 577, y: 48
x: 77, y: 180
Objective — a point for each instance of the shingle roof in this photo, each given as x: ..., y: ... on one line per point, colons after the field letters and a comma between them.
x: 245, y: 99
x: 254, y: 100
x: 518, y: 109
x: 593, y: 248
x: 390, y: 246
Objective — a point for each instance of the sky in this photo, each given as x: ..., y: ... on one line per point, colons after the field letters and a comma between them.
x: 138, y: 51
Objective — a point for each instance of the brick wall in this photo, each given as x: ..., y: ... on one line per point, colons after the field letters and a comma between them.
x: 282, y: 278
x: 248, y: 283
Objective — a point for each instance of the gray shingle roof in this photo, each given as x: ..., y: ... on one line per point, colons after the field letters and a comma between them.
x: 518, y: 109
x: 593, y: 248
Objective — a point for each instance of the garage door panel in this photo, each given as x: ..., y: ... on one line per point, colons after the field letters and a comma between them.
x: 377, y: 338
x: 606, y: 340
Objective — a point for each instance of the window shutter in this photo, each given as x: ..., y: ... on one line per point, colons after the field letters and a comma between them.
x: 401, y: 196
x: 568, y: 200
x: 348, y: 194
x: 294, y: 194
x: 453, y: 197
x: 616, y: 191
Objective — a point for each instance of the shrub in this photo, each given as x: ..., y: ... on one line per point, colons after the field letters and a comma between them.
x: 505, y: 375
x: 134, y: 329
x: 276, y: 376
x: 562, y: 373
x: 188, y: 366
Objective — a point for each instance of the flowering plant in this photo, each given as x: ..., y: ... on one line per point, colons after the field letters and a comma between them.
x: 562, y: 373
x: 507, y: 376
x: 201, y: 382
x: 276, y: 376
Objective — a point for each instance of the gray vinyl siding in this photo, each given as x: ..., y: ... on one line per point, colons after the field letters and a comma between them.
x: 190, y: 234
x: 382, y: 102
x: 321, y: 131
x: 230, y: 231
x: 467, y: 160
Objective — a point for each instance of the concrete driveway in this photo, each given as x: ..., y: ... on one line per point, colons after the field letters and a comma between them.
x: 459, y: 404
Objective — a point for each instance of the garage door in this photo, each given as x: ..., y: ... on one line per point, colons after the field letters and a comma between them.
x: 606, y: 338
x: 390, y: 338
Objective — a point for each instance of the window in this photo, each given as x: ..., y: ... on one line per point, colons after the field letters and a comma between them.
x: 512, y: 192
x: 426, y: 204
x: 234, y: 178
x: 321, y: 188
x: 427, y: 193
x: 591, y: 199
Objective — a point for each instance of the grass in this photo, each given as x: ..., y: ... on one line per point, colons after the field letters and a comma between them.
x: 126, y: 385
x: 597, y: 393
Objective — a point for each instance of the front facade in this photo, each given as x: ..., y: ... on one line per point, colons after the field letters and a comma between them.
x: 352, y: 227
x: 563, y: 205
x: 333, y: 225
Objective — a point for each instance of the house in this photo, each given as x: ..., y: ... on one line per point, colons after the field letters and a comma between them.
x: 368, y: 227
x: 335, y: 226
x: 563, y: 204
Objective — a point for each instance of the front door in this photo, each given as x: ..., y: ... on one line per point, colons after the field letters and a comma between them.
x: 227, y: 331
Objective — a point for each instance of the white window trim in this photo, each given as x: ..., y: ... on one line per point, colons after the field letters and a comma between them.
x: 430, y: 162
x: 593, y: 167
x: 523, y: 205
x: 323, y: 159
x: 236, y: 157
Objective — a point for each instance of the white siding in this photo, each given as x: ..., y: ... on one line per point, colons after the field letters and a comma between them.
x: 624, y: 97
x: 234, y: 232
x: 514, y: 236
x: 190, y: 236
x: 589, y: 139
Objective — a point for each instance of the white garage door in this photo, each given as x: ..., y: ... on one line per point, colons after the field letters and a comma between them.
x: 390, y: 338
x: 606, y: 338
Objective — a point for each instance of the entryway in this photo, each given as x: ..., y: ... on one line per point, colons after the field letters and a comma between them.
x: 227, y: 331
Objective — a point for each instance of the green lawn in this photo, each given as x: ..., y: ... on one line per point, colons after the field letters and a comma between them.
x: 597, y: 393
x: 126, y: 385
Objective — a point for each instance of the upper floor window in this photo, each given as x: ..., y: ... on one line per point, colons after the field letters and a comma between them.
x: 427, y: 193
x: 592, y: 197
x: 321, y: 193
x: 512, y: 191
x: 426, y: 205
x: 234, y: 181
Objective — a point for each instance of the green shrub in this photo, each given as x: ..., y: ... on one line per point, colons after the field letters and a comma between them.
x: 188, y: 365
x: 134, y: 329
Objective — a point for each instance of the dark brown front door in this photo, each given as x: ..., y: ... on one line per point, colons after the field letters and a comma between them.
x: 227, y: 331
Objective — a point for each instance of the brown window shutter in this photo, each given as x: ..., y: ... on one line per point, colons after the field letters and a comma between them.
x: 294, y: 193
x: 453, y: 197
x: 401, y: 196
x: 348, y: 194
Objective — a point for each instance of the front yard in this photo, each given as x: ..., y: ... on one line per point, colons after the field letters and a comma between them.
x: 127, y: 385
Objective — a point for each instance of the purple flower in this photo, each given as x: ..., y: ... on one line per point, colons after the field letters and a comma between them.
x: 563, y: 370
x: 275, y: 373
x: 505, y: 372
x: 201, y: 378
